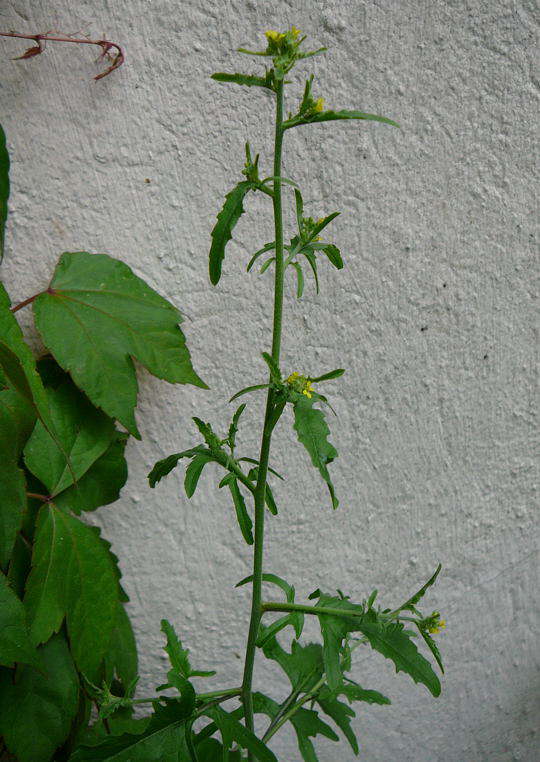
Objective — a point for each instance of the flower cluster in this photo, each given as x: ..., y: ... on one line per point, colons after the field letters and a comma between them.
x: 279, y: 41
x: 434, y: 624
x: 300, y: 384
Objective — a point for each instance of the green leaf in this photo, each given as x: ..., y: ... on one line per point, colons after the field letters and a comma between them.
x: 256, y: 462
x: 299, y: 279
x: 73, y: 576
x: 303, y: 666
x: 355, y: 692
x: 15, y: 643
x: 413, y: 600
x: 322, y: 224
x: 248, y: 389
x: 255, y: 257
x: 272, y: 366
x: 37, y: 709
x: 85, y: 434
x: 327, y: 376
x: 194, y: 471
x: 4, y: 188
x: 163, y: 739
x: 244, y: 520
x: 307, y: 724
x: 299, y: 206
x: 333, y: 254
x: 101, y: 484
x: 268, y: 494
x: 226, y: 220
x: 166, y: 465
x: 250, y: 80
x: 210, y: 750
x: 266, y: 265
x: 231, y: 730
x: 96, y: 316
x: 178, y: 655
x: 341, y: 714
x: 121, y: 656
x: 312, y: 261
x: 310, y: 425
x: 330, y: 116
x: 433, y: 647
x: 334, y: 629
x: 233, y: 428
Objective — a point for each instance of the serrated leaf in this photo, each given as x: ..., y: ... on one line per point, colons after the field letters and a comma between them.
x: 74, y: 577
x: 330, y: 116
x: 121, y: 656
x: 15, y: 643
x: 96, y: 316
x: 178, y: 655
x: 194, y: 471
x: 232, y: 731
x: 303, y: 666
x: 4, y: 188
x: 12, y: 505
x: 312, y: 430
x: 327, y: 376
x: 341, y: 714
x: 413, y: 600
x: 242, y: 516
x: 36, y: 711
x: 250, y: 80
x: 222, y: 231
x: 84, y: 432
x: 211, y: 750
x: 101, y: 484
x: 355, y: 692
x: 163, y: 739
x: 166, y: 465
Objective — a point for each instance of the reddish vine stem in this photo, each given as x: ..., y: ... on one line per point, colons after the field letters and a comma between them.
x: 30, y: 299
x: 117, y: 58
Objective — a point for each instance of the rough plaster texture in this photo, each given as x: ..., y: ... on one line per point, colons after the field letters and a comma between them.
x: 433, y: 316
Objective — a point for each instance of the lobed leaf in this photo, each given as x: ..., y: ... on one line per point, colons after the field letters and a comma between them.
x: 312, y: 430
x: 194, y: 471
x: 95, y: 317
x: 166, y: 465
x: 4, y: 188
x: 178, y: 655
x: 226, y: 220
x: 250, y: 80
x: 233, y: 428
x: 233, y: 731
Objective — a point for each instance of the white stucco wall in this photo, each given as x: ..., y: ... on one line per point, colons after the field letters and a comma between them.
x: 433, y: 317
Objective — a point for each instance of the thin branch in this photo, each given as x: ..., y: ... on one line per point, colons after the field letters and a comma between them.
x: 116, y: 58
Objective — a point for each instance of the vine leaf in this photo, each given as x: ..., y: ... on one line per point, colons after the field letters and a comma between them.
x: 36, y: 711
x: 73, y: 576
x: 312, y: 430
x: 121, y: 656
x: 15, y: 644
x: 331, y: 116
x: 16, y: 422
x: 95, y: 317
x: 4, y: 189
x: 226, y: 220
x: 101, y: 484
x: 84, y: 431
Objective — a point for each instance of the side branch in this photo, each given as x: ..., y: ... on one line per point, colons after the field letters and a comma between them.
x: 110, y: 50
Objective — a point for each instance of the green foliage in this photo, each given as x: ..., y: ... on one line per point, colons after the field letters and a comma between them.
x: 179, y: 656
x: 36, y: 710
x: 4, y: 188
x: 312, y: 430
x: 94, y: 298
x: 232, y: 731
x: 250, y: 80
x: 226, y: 220
x: 15, y: 643
x: 332, y: 116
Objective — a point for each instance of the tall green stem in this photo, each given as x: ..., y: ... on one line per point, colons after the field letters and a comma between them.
x: 269, y: 423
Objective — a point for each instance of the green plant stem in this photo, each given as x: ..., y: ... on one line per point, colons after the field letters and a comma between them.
x: 316, y: 610
x: 227, y: 693
x: 269, y: 423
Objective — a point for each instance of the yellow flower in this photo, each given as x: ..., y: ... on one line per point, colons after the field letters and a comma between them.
x: 300, y: 384
x: 273, y: 36
x: 292, y: 378
x: 438, y: 626
x: 319, y: 105
x: 295, y: 32
x: 307, y: 390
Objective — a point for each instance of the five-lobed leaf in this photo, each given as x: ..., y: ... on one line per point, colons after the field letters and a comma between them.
x: 96, y: 316
x: 222, y: 231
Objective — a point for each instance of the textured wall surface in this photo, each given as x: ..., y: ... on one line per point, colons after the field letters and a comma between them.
x: 433, y: 316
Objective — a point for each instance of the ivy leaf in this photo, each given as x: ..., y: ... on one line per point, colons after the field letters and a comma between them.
x: 84, y: 432
x: 250, y: 80
x: 232, y: 731
x: 101, y: 484
x: 96, y: 316
x: 166, y: 465
x: 330, y: 116
x: 312, y: 430
x: 15, y: 644
x: 36, y: 711
x: 163, y: 739
x: 226, y: 220
x: 4, y: 188
x: 74, y: 577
